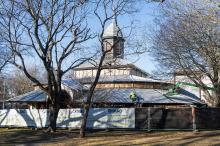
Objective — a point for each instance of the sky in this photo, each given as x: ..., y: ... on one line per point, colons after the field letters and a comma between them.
x: 143, y: 21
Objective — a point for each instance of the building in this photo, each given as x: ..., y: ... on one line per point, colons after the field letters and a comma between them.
x: 180, y: 77
x: 39, y: 99
x: 119, y: 78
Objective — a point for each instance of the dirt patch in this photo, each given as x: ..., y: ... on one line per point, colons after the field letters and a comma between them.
x: 98, y: 138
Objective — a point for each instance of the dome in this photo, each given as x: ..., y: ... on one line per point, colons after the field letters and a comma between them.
x: 112, y: 31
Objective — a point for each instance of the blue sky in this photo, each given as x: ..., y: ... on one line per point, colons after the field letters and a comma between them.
x: 143, y: 21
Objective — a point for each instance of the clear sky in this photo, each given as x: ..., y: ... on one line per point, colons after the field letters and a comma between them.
x: 143, y: 21
x: 145, y: 18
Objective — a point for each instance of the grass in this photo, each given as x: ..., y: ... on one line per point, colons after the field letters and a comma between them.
x: 99, y: 138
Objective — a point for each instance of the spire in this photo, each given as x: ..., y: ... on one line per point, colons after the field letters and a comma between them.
x: 112, y: 31
x: 113, y: 36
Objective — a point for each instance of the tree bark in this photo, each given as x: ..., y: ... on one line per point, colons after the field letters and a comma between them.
x: 89, y: 98
x: 217, y: 98
x: 53, y: 111
x: 84, y: 122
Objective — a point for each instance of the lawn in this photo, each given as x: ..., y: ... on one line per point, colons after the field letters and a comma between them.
x: 65, y: 137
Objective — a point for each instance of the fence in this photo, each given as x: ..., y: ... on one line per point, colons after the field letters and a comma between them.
x: 98, y: 118
x: 161, y: 118
x: 102, y: 118
x: 208, y: 118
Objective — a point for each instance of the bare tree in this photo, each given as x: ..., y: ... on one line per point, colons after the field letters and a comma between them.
x: 4, y: 58
x: 187, y: 38
x: 5, y: 53
x: 18, y: 83
x: 107, y: 11
x: 52, y: 32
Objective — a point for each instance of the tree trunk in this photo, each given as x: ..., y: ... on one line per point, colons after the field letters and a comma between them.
x: 216, y: 102
x: 216, y: 97
x: 89, y: 98
x: 84, y: 122
x: 53, y: 113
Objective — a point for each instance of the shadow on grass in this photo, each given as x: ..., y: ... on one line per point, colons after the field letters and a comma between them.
x: 28, y: 136
x: 102, y: 137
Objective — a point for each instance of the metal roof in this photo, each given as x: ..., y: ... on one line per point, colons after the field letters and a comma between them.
x: 112, y: 31
x: 109, y: 63
x: 33, y: 96
x: 120, y: 78
x: 41, y: 96
x: 72, y: 84
x: 155, y: 96
x: 150, y: 96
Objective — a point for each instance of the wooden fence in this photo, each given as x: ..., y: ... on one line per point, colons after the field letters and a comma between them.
x: 177, y: 118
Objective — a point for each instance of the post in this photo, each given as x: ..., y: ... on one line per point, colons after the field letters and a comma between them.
x: 174, y: 78
x: 194, y: 118
x: 3, y: 105
x: 148, y: 119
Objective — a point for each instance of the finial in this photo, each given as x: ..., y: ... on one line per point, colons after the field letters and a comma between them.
x: 113, y: 13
